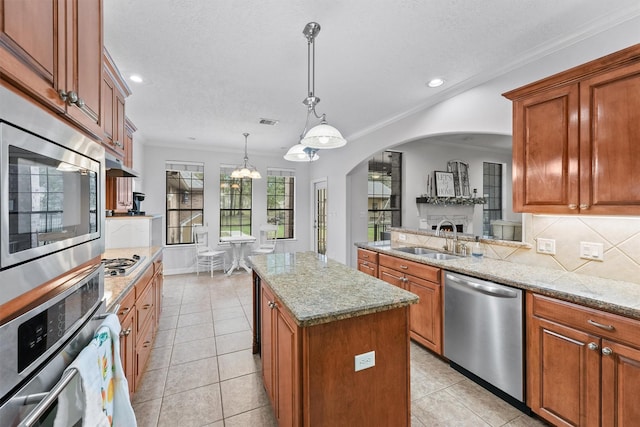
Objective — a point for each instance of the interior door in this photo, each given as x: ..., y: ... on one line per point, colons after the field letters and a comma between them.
x: 320, y: 217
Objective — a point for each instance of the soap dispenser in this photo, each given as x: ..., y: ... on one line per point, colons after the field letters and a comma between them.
x: 477, y: 250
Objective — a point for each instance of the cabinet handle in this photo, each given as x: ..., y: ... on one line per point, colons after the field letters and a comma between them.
x: 272, y: 305
x: 146, y: 306
x: 125, y: 311
x: 71, y: 98
x: 573, y: 206
x: 584, y: 206
x: 146, y: 344
x: 600, y: 325
x: 592, y: 346
x: 365, y: 263
x: 119, y: 144
x: 405, y: 280
x: 404, y: 267
x: 125, y: 332
x: 607, y: 351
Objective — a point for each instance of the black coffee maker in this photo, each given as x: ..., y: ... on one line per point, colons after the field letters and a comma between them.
x: 137, y: 198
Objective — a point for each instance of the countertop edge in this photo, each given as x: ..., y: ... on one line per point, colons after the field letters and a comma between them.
x: 466, y: 266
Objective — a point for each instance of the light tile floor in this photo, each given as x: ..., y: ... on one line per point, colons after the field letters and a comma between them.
x: 201, y: 371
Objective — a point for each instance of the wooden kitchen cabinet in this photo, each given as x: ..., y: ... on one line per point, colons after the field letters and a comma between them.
x: 575, y: 139
x: 280, y: 356
x: 113, y: 100
x: 127, y: 317
x: 368, y: 262
x: 52, y: 51
x: 158, y: 284
x: 425, y: 317
x: 583, y: 365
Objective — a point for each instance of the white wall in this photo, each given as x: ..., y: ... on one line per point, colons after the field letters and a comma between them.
x: 478, y: 110
x: 150, y: 162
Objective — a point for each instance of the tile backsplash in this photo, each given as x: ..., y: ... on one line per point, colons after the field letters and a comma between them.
x: 620, y: 237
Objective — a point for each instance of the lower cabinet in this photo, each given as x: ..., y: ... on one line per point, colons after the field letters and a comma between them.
x: 138, y: 314
x: 583, y: 365
x: 368, y: 262
x: 425, y: 317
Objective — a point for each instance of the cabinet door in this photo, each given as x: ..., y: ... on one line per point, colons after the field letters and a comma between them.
x: 266, y: 340
x: 108, y: 95
x: 119, y: 136
x: 426, y: 316
x: 368, y: 268
x: 286, y: 372
x: 391, y: 276
x: 32, y: 48
x: 609, y: 150
x: 128, y: 349
x: 563, y: 374
x: 545, y: 151
x: 84, y: 61
x: 620, y: 385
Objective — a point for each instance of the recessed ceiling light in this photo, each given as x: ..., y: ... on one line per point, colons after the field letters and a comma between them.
x: 136, y: 78
x: 435, y: 82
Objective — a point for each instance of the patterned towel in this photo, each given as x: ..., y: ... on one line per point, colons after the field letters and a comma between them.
x: 102, y: 394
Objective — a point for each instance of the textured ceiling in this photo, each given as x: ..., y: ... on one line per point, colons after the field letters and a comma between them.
x: 213, y: 68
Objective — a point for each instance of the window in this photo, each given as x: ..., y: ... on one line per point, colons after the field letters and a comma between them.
x: 185, y: 200
x: 235, y: 203
x: 281, y: 191
x: 492, y: 191
x: 384, y: 194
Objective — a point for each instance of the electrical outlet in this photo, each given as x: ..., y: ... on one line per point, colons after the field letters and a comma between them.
x: 365, y: 360
x: 594, y: 251
x: 546, y: 246
x: 402, y: 236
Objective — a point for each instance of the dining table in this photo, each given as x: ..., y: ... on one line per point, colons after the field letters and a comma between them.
x: 239, y: 243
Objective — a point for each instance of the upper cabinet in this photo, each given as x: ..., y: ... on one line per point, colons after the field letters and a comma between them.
x: 115, y: 90
x: 52, y: 51
x: 575, y: 139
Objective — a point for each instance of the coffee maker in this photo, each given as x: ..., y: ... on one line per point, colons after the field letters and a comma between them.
x: 137, y: 198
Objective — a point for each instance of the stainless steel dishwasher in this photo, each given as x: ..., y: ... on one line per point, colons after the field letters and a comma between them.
x: 483, y: 333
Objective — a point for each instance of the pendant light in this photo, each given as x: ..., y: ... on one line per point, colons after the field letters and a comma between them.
x: 300, y: 153
x: 246, y: 170
x: 322, y: 136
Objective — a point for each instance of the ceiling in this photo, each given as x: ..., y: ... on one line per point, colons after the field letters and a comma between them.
x: 213, y: 69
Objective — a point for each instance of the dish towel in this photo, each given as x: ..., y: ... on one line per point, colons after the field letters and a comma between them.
x: 101, y: 396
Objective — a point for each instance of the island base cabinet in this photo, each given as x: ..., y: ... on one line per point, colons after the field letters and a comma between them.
x: 583, y: 365
x: 309, y: 372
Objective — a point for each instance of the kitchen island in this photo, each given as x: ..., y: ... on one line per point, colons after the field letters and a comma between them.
x: 334, y: 342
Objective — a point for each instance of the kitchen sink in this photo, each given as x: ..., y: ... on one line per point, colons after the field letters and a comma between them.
x: 427, y: 253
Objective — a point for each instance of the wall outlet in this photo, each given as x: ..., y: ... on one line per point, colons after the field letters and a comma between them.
x: 546, y: 246
x: 593, y: 251
x: 402, y: 236
x: 365, y: 360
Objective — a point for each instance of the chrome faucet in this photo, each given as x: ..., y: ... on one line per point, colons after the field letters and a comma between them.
x: 446, y: 240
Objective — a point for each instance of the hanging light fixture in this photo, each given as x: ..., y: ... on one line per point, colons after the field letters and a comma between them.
x: 321, y: 136
x: 246, y: 170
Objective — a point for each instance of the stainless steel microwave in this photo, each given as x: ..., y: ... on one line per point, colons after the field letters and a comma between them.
x: 51, y: 198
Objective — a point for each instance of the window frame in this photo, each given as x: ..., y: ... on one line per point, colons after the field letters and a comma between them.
x: 185, y: 234
x: 286, y: 231
x: 247, y: 213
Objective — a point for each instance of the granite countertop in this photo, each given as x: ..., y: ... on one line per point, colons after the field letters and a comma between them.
x: 614, y: 296
x: 116, y: 287
x: 318, y: 290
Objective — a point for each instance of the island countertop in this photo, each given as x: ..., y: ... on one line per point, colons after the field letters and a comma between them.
x: 316, y: 290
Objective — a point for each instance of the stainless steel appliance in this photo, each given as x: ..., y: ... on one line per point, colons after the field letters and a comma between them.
x: 484, y: 334
x: 39, y: 343
x: 51, y: 198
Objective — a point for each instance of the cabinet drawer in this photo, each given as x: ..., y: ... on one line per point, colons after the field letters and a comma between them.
x: 143, y: 281
x: 416, y: 269
x: 126, y: 305
x: 143, y: 349
x: 597, y: 322
x: 366, y: 255
x: 144, y: 309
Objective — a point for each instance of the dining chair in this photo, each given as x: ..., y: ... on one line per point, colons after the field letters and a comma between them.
x: 267, y: 240
x: 206, y: 257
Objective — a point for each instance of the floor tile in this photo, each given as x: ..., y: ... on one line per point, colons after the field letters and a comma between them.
x: 172, y: 310
x: 159, y: 358
x: 230, y: 326
x: 193, y: 332
x: 443, y: 410
x: 151, y: 386
x: 194, y: 319
x: 227, y: 313
x: 164, y: 338
x: 243, y: 394
x: 494, y: 412
x: 236, y: 341
x: 191, y: 375
x: 262, y: 417
x: 147, y: 413
x: 195, y: 407
x: 197, y: 307
x: 167, y: 322
x: 193, y: 350
x: 237, y: 364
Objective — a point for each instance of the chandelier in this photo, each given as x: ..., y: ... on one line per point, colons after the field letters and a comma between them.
x: 246, y: 170
x: 321, y: 136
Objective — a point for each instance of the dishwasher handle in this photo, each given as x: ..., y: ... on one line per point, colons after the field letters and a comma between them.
x: 497, y: 291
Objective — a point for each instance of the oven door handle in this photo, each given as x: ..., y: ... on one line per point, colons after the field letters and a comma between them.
x: 48, y: 400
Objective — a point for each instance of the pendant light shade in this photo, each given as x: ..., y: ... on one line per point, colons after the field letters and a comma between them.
x: 321, y: 136
x: 300, y: 153
x: 246, y: 170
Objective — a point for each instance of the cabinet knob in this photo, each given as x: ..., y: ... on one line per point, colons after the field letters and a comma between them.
x: 71, y: 98
x: 125, y: 332
x: 272, y: 305
x: 584, y: 206
x: 607, y: 351
x: 592, y: 346
x: 573, y: 206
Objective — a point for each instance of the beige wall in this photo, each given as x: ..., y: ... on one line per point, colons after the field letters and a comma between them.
x: 619, y: 235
